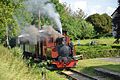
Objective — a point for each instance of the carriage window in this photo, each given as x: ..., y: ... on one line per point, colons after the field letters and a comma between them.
x: 21, y: 46
x: 27, y: 47
x: 32, y: 48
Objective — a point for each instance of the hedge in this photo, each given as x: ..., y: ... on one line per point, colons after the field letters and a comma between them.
x: 97, y: 51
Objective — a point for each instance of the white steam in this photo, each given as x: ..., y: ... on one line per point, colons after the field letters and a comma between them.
x: 46, y: 8
x: 51, y: 32
x: 32, y: 35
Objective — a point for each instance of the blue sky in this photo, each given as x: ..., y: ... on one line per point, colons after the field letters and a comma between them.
x: 93, y: 6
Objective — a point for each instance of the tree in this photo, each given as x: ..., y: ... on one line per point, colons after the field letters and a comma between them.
x: 74, y: 22
x: 101, y: 23
x: 107, y: 26
x: 12, y: 17
x: 6, y: 17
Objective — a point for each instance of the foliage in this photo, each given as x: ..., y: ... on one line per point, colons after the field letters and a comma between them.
x: 12, y: 16
x: 102, y: 23
x: 97, y: 51
x: 13, y: 67
x: 12, y: 42
x: 6, y: 17
x: 74, y: 22
x: 16, y: 51
x: 16, y: 66
x: 80, y: 29
x: 103, y: 48
x: 76, y: 26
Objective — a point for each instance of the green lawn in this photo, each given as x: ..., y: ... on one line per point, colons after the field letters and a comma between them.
x: 108, y: 41
x: 104, y: 47
x: 88, y: 65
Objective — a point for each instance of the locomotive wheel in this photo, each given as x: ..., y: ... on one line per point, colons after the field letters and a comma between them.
x: 52, y: 67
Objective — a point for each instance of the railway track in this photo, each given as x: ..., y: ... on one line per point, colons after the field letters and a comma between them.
x: 75, y: 75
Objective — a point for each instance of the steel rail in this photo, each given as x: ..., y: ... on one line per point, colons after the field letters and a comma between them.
x: 75, y: 75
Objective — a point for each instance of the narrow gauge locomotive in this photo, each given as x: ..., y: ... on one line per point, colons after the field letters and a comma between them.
x: 58, y: 50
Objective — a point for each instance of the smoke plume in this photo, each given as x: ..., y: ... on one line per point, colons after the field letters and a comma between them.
x: 46, y: 8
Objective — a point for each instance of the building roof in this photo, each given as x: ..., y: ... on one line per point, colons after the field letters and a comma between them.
x: 116, y: 10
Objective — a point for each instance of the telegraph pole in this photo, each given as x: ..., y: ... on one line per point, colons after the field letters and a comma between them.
x: 7, y: 38
x: 39, y: 20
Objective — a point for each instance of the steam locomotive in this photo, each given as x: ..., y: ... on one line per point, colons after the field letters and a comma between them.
x: 58, y: 50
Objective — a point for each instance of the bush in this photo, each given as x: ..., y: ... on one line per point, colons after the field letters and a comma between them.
x: 97, y: 51
x: 12, y: 42
x: 16, y: 51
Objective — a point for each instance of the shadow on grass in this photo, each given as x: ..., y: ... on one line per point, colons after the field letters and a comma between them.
x: 112, y: 67
x: 92, y: 72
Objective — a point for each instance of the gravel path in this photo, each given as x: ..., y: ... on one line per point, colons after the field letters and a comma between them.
x: 110, y: 59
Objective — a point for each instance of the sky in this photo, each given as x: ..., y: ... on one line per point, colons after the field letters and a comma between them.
x: 92, y: 6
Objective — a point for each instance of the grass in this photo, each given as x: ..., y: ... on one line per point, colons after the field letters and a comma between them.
x: 108, y: 41
x: 88, y: 65
x: 14, y: 68
x: 104, y: 47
